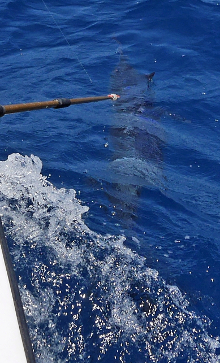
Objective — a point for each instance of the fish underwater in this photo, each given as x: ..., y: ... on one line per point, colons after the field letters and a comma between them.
x: 136, y: 139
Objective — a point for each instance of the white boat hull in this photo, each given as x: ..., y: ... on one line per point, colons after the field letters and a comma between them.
x: 15, y: 343
x: 11, y: 345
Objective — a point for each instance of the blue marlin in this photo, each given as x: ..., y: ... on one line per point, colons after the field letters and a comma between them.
x: 136, y: 140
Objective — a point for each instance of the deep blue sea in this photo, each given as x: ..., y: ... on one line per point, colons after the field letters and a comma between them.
x: 111, y: 209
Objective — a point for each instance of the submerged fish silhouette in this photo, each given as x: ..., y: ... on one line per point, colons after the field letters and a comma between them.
x: 136, y: 139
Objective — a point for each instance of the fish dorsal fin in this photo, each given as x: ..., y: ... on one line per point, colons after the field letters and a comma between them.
x: 150, y: 76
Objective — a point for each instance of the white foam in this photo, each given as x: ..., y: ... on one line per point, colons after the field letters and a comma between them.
x: 86, y: 293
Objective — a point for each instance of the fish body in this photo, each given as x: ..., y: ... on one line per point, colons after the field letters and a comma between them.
x: 135, y: 138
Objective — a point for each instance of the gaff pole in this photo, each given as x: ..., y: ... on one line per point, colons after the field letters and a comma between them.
x: 57, y: 103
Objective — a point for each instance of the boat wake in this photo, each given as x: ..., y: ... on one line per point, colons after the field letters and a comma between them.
x: 88, y: 297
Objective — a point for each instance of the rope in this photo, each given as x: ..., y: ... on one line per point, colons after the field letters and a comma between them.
x: 65, y: 38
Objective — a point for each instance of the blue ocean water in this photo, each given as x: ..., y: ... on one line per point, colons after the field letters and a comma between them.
x: 111, y: 209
